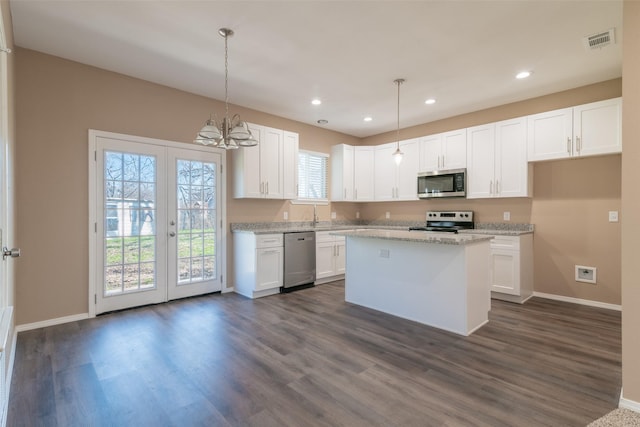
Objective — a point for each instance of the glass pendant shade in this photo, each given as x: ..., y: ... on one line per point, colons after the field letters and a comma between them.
x: 397, y: 156
x: 242, y: 135
x: 209, y: 134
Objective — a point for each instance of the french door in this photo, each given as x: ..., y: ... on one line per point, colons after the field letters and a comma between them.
x: 157, y: 229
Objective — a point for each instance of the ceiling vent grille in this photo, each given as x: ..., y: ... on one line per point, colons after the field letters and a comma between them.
x: 600, y: 40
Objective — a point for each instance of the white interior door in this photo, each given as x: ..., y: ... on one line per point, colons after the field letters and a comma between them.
x: 193, y: 214
x: 157, y: 224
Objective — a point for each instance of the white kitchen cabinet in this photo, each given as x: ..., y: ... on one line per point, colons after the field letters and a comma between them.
x: 584, y: 130
x: 497, y: 160
x: 330, y: 257
x: 396, y: 182
x: 363, y: 172
x: 342, y: 164
x: 268, y: 171
x: 511, y: 267
x: 352, y: 170
x: 290, y: 165
x: 446, y: 150
x: 259, y: 263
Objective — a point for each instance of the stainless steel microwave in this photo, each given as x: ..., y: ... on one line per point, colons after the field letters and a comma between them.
x: 445, y: 183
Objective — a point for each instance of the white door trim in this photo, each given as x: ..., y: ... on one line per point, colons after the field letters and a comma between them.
x: 93, y: 176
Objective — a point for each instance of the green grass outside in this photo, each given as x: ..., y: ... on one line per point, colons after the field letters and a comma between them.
x: 119, y: 250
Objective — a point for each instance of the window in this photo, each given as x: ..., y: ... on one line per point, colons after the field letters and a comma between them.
x: 312, y: 176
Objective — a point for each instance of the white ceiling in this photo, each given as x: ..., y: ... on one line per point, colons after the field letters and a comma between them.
x: 347, y: 53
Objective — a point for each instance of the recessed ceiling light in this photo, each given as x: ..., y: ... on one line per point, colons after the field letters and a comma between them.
x: 523, y: 74
x: 368, y: 119
x: 323, y: 122
x: 316, y: 102
x: 430, y: 101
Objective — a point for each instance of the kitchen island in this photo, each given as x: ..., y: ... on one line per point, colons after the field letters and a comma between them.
x: 438, y: 279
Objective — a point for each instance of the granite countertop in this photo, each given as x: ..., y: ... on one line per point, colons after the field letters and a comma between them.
x: 487, y: 229
x: 416, y: 236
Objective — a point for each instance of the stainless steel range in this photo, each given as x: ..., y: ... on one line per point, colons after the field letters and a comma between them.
x: 447, y: 221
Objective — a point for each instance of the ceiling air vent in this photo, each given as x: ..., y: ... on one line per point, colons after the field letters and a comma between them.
x: 600, y: 40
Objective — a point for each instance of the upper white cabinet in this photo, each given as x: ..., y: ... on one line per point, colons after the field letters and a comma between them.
x: 363, y: 172
x: 446, y: 150
x: 497, y: 160
x: 396, y: 182
x: 268, y: 171
x: 342, y: 164
x: 584, y: 130
x: 290, y: 165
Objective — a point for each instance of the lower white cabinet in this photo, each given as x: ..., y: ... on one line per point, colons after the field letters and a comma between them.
x: 330, y: 256
x: 511, y: 267
x: 259, y: 263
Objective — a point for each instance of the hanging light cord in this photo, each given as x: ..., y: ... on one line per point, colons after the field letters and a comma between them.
x: 226, y: 80
x: 399, y: 81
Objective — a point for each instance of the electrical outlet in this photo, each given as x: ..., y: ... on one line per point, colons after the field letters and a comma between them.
x: 358, y: 215
x: 387, y: 215
x: 384, y: 253
x: 506, y: 216
x: 286, y: 215
x: 613, y: 216
x: 333, y: 215
x: 585, y: 274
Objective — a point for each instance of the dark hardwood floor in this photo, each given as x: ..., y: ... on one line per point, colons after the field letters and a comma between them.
x: 309, y: 359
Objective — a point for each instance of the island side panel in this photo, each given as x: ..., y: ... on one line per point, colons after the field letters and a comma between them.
x: 478, y: 285
x: 424, y: 282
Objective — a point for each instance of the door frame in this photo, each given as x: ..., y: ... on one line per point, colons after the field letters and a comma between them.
x: 93, y: 287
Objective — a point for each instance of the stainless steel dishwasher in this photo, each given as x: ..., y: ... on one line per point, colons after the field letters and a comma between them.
x: 299, y: 260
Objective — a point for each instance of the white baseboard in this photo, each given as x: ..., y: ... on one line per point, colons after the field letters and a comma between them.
x: 629, y: 404
x: 588, y: 302
x: 51, y: 322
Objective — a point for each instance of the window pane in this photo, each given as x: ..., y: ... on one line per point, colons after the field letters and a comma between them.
x: 312, y: 175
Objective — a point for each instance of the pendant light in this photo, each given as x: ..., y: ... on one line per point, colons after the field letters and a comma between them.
x: 397, y: 155
x: 231, y: 133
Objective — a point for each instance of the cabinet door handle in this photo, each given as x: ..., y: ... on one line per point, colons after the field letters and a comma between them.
x: 569, y: 145
x: 337, y: 250
x: 273, y: 251
x: 345, y: 194
x: 355, y: 196
x: 267, y: 190
x: 490, y: 186
x: 262, y: 188
x: 578, y: 144
x: 497, y: 187
x: 335, y: 253
x: 443, y: 161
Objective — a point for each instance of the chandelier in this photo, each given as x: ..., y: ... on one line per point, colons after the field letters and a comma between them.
x: 230, y: 133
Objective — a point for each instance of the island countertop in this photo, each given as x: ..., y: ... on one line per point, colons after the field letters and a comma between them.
x: 416, y: 236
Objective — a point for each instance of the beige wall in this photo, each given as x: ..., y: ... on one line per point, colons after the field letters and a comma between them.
x: 58, y: 101
x: 631, y: 202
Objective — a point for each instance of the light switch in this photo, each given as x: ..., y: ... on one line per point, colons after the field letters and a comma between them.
x: 333, y: 215
x: 286, y: 215
x: 613, y: 216
x: 358, y: 215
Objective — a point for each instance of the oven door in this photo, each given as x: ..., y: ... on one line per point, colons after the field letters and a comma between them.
x: 442, y: 184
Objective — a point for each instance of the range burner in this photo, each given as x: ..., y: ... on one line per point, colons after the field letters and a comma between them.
x: 449, y: 221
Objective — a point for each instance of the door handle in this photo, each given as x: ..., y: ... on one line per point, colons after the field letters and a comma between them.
x: 13, y: 252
